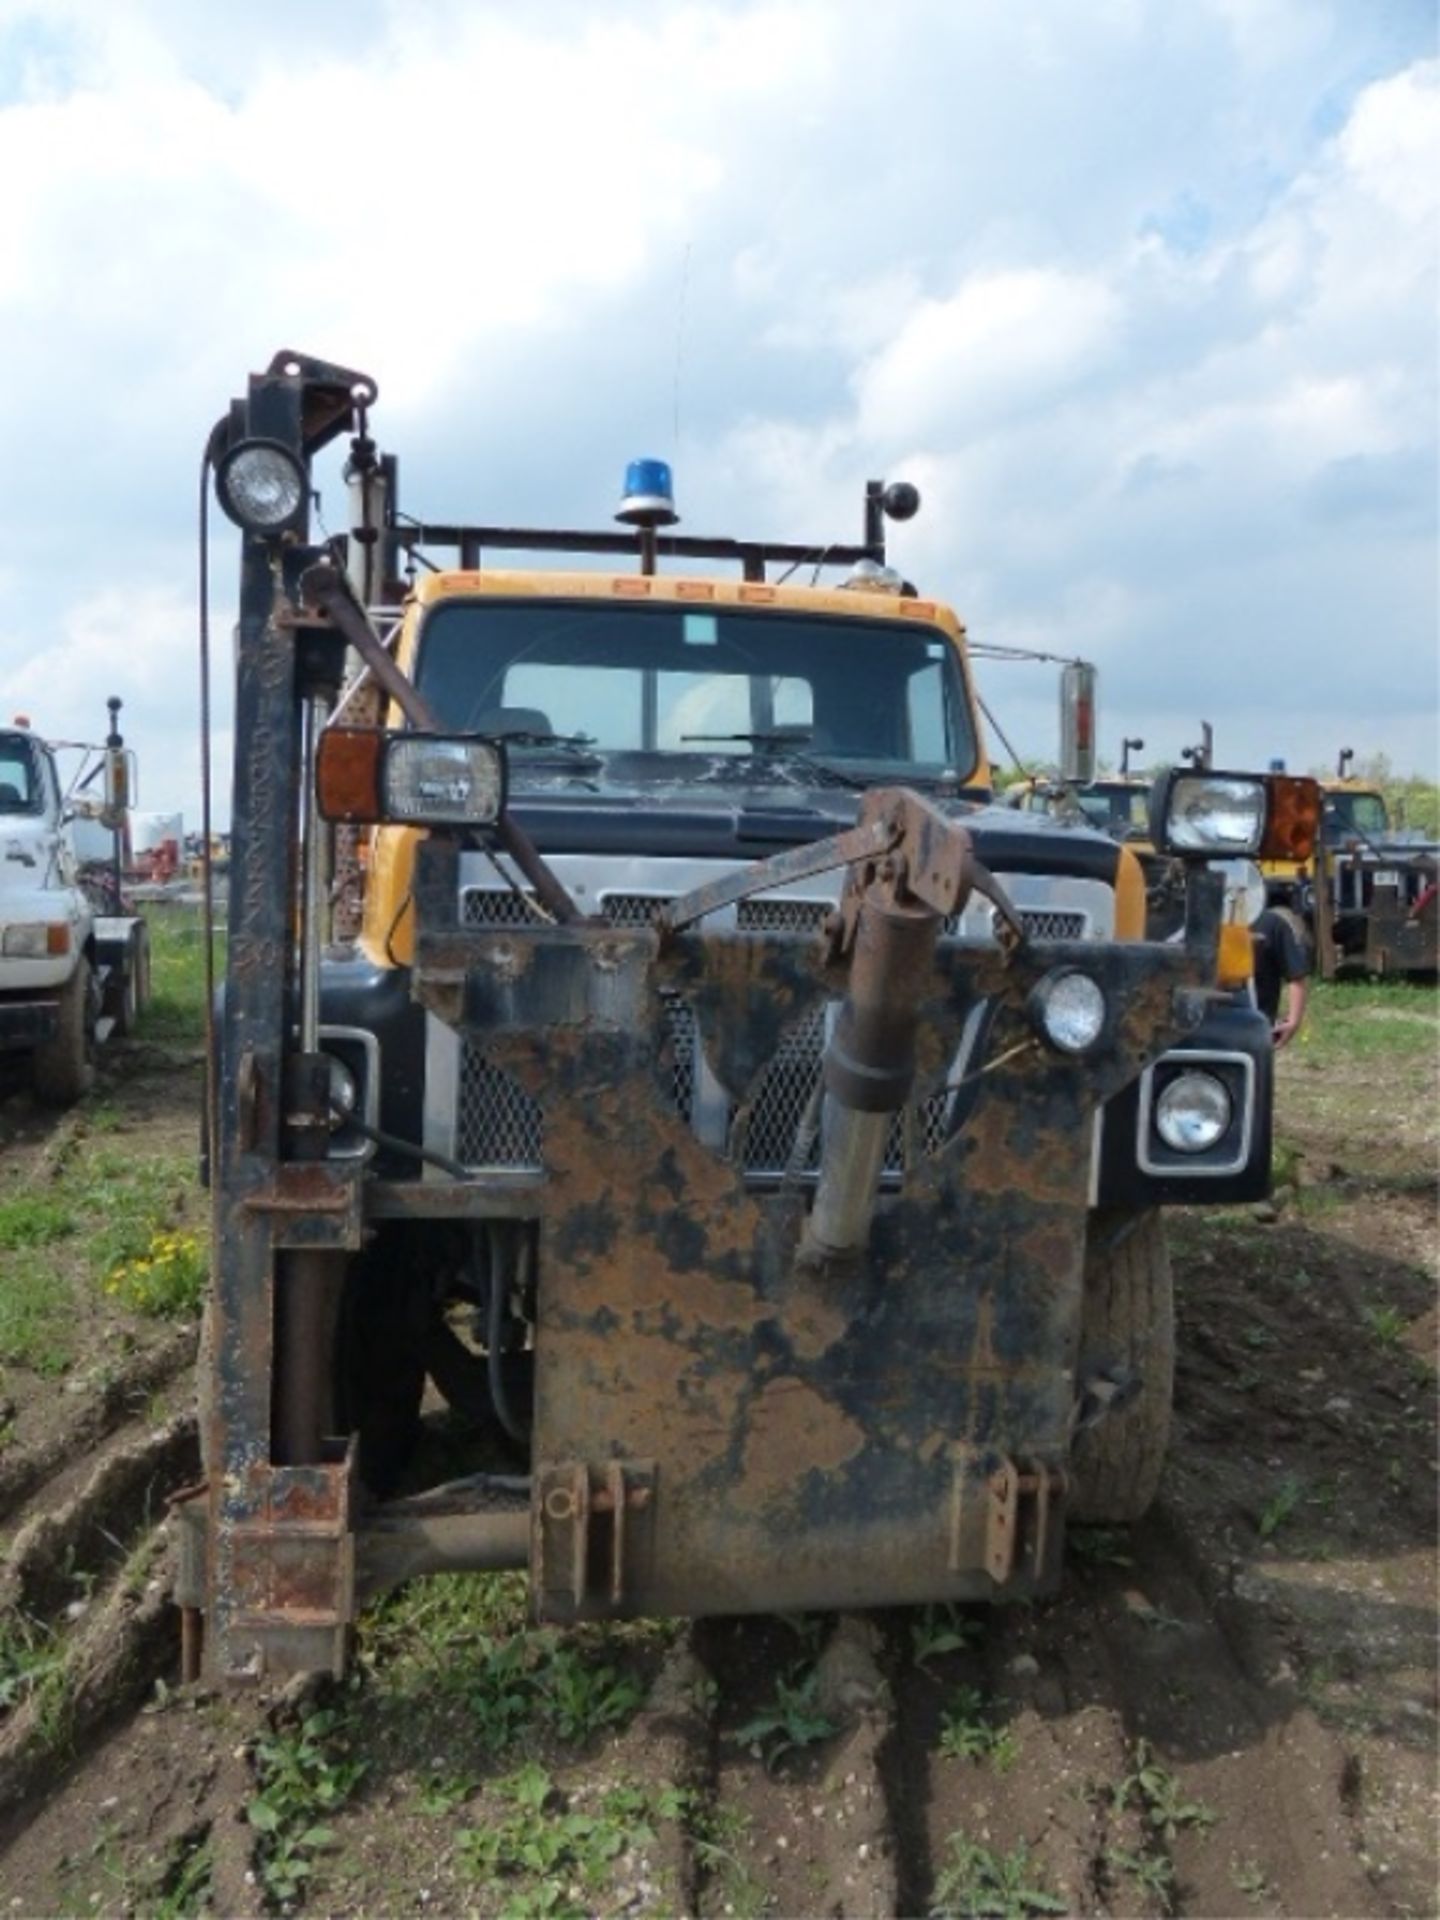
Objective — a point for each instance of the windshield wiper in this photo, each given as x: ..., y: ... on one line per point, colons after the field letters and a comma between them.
x: 783, y: 749
x: 573, y: 743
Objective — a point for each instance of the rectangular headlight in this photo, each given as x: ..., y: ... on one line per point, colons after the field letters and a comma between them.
x: 1214, y: 814
x: 36, y: 940
x: 442, y: 782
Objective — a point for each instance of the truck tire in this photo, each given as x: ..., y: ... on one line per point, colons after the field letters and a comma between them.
x: 61, y: 1069
x: 134, y: 994
x: 1127, y: 1324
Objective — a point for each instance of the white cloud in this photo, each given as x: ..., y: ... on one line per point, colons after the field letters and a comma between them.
x: 1143, y: 296
x: 1003, y: 345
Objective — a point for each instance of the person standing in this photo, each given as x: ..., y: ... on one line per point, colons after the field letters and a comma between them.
x: 1282, y: 962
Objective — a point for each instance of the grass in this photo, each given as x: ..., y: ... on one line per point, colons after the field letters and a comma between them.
x: 112, y: 1220
x: 33, y: 1220
x: 549, y: 1855
x: 464, y: 1638
x: 31, y: 1656
x: 1388, y: 1324
x: 106, y: 1216
x: 1279, y: 1508
x: 177, y: 975
x: 1349, y: 1020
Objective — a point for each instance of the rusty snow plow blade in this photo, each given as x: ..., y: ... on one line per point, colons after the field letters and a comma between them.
x: 743, y: 1404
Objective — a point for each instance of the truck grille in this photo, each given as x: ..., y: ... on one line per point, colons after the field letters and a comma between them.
x: 499, y: 1126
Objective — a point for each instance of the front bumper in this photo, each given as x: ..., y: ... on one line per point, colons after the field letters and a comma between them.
x: 26, y: 1023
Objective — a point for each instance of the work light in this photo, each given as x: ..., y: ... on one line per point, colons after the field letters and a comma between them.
x: 261, y: 486
x: 1069, y: 1009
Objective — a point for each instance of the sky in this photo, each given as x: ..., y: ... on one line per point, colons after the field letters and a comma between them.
x: 1142, y: 296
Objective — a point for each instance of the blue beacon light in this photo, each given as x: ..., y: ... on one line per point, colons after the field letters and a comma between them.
x: 649, y: 495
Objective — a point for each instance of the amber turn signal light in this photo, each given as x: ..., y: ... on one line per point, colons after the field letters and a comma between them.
x: 348, y: 765
x: 1293, y: 823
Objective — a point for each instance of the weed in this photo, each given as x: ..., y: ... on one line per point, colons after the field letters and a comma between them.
x: 977, y: 1884
x: 179, y: 1885
x: 1100, y: 1546
x: 579, y: 1699
x: 1279, y: 1507
x: 1387, y: 1323
x: 1258, y: 1338
x: 1250, y: 1880
x: 33, y: 1220
x: 442, y: 1793
x: 303, y: 1776
x: 791, y: 1721
x: 1150, y: 1871
x: 30, y: 1655
x: 716, y: 1836
x: 545, y: 1856
x: 967, y: 1732
x: 165, y: 1282
x: 1159, y: 1796
x: 941, y: 1629
x: 808, y: 1629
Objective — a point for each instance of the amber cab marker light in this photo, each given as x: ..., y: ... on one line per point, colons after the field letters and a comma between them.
x: 347, y: 773
x: 1294, y: 818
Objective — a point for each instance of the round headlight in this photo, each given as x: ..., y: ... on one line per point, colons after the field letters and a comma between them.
x: 261, y: 486
x: 1193, y: 1113
x: 1069, y: 1009
x: 343, y: 1091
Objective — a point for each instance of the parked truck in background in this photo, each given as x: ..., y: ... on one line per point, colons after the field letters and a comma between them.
x: 641, y: 1026
x: 69, y: 976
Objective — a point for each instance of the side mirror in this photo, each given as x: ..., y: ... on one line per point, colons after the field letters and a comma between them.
x: 1077, y: 723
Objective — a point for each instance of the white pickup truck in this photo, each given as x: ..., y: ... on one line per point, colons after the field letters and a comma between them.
x: 69, y: 978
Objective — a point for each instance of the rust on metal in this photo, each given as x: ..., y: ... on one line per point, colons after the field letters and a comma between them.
x: 805, y: 1425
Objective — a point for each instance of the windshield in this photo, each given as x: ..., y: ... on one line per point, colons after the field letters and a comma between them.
x: 19, y: 784
x: 867, y: 697
x: 1116, y: 809
x: 1360, y: 815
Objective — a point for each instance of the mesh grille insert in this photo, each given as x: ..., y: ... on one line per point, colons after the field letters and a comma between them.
x: 498, y: 1125
x: 632, y: 909
x: 496, y: 907
x: 759, y: 915
x: 782, y: 1097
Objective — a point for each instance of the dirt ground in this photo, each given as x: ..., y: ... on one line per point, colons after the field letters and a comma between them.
x: 1229, y: 1709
